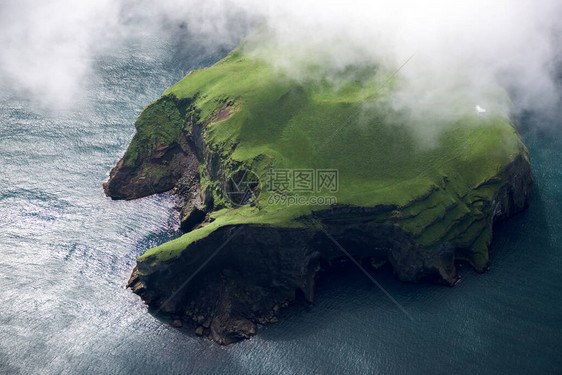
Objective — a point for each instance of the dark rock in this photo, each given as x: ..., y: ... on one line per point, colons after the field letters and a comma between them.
x: 265, y: 266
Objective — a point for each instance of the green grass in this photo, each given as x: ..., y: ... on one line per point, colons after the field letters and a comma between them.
x: 159, y: 122
x: 343, y: 124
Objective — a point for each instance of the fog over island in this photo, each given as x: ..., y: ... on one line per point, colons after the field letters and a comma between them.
x: 75, y: 77
x: 49, y: 47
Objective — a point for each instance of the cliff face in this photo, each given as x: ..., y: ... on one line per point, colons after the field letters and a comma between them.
x: 418, y: 209
x: 157, y: 157
x: 262, y: 268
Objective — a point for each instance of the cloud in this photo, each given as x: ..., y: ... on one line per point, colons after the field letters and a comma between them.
x: 453, y: 43
x: 48, y: 47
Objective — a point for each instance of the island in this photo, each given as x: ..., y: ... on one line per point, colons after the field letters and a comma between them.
x: 278, y: 177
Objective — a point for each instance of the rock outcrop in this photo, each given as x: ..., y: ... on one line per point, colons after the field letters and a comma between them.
x: 419, y: 210
x: 263, y: 268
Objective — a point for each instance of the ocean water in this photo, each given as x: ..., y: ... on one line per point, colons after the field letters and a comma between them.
x: 66, y: 252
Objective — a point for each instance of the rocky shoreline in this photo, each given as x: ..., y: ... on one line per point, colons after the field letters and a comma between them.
x: 418, y: 209
x: 263, y: 268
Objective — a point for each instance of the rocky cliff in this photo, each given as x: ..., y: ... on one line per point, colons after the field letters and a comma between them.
x: 419, y: 209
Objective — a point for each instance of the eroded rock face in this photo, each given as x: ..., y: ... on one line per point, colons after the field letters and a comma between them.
x: 158, y: 157
x: 419, y: 210
x: 263, y: 268
x: 159, y: 173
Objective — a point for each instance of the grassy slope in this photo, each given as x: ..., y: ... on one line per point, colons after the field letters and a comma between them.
x: 282, y: 123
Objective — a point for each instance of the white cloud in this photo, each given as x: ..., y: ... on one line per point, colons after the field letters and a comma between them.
x: 48, y: 46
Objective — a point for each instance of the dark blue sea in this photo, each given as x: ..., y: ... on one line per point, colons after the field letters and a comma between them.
x: 66, y: 252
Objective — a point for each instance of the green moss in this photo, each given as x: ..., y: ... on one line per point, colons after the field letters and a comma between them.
x: 342, y: 124
x: 160, y: 122
x: 225, y: 217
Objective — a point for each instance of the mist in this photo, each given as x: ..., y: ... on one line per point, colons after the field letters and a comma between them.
x: 436, y: 48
